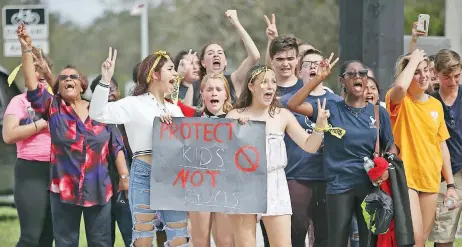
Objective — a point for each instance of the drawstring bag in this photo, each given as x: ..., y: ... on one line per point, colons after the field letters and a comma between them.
x: 378, y: 211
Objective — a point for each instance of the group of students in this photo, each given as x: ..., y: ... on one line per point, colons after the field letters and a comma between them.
x: 102, y: 147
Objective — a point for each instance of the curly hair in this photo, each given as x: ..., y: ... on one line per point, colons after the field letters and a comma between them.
x: 245, y: 99
x: 83, y: 80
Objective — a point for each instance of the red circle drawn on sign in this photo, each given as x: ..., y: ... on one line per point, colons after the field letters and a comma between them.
x: 253, y: 165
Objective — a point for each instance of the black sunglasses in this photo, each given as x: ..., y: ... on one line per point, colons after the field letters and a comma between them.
x: 353, y: 74
x: 64, y: 77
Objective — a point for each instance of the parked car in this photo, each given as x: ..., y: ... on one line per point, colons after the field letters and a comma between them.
x: 7, y: 152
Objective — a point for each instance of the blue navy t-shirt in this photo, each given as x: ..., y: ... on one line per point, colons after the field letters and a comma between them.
x: 281, y: 91
x: 453, y: 119
x: 302, y: 165
x: 343, y: 158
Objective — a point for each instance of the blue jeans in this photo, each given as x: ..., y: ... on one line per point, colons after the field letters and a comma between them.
x: 354, y: 233
x: 139, y: 198
x: 122, y: 215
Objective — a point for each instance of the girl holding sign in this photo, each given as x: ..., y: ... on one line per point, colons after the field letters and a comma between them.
x: 258, y: 102
x: 216, y: 103
x: 156, y: 76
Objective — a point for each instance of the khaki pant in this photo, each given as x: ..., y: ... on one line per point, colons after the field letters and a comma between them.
x: 447, y: 221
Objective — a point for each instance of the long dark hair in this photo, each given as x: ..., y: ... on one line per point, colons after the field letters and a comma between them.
x: 245, y: 99
x: 143, y: 73
x: 202, y: 70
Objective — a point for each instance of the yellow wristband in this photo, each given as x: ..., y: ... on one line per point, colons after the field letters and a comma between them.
x: 317, y: 129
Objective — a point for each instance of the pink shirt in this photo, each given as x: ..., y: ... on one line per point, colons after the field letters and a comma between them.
x: 36, y: 147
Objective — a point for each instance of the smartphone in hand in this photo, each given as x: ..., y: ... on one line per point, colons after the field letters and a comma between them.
x: 423, y: 23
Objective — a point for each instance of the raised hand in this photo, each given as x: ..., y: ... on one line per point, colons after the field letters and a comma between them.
x: 186, y: 63
x: 41, y: 66
x: 323, y: 114
x: 232, y: 16
x: 417, y: 55
x: 107, y: 67
x: 325, y: 67
x: 23, y: 37
x: 271, y: 29
x: 416, y: 33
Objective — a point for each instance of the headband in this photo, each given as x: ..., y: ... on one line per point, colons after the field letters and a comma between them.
x: 159, y: 54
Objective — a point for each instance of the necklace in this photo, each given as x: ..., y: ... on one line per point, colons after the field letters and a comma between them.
x: 354, y: 112
x: 162, y: 108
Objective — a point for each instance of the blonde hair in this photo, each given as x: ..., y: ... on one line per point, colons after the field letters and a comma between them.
x: 446, y: 61
x: 227, y: 106
x: 403, y: 62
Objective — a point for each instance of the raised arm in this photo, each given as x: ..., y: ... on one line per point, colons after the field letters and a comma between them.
x: 415, y: 36
x: 309, y: 143
x: 27, y: 57
x: 271, y: 33
x: 42, y: 67
x: 118, y: 112
x: 297, y: 102
x: 402, y: 82
x: 253, y: 55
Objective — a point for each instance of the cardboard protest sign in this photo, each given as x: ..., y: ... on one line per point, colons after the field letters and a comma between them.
x: 209, y: 165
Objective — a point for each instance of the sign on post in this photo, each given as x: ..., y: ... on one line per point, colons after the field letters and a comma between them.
x: 36, y: 19
x: 209, y: 165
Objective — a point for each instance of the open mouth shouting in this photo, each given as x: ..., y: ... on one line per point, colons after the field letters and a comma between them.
x: 370, y: 98
x: 268, y: 96
x: 215, y: 102
x: 69, y: 86
x: 358, y: 85
x: 216, y: 64
x: 172, y: 81
x: 312, y: 74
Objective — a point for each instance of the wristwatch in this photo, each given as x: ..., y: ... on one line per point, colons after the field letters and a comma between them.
x: 125, y: 176
x: 451, y: 186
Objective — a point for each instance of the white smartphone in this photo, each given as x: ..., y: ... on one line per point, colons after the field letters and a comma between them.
x: 423, y: 23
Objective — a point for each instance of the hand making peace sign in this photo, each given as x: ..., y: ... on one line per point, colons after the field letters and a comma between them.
x: 107, y: 67
x: 325, y: 67
x: 323, y: 114
x: 186, y: 63
x: 271, y: 30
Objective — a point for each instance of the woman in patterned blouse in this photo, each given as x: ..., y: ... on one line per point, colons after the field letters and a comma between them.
x: 80, y: 181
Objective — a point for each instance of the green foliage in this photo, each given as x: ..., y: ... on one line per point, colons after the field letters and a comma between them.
x: 434, y: 8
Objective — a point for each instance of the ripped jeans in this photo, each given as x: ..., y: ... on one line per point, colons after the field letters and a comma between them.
x: 139, y: 199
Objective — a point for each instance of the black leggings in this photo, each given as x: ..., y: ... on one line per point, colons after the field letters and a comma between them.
x: 340, y: 209
x: 32, y: 199
x: 308, y: 199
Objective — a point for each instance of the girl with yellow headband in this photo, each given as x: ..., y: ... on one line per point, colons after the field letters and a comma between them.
x: 156, y: 78
x: 258, y: 102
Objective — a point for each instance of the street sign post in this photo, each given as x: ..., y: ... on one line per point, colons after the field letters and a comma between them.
x: 36, y: 19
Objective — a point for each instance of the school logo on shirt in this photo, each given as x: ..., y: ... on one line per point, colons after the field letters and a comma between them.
x: 372, y: 123
x: 434, y: 115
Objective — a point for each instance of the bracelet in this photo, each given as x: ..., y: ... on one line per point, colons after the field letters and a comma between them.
x: 318, y: 132
x: 26, y: 51
x: 317, y: 129
x: 102, y: 84
x: 36, y: 129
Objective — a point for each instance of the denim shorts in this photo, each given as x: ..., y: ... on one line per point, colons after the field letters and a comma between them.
x: 139, y: 194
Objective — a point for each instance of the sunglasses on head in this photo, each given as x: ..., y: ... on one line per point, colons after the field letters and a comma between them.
x: 353, y: 74
x: 64, y: 77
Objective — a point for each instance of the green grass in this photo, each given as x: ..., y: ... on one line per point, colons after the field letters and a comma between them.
x: 9, y: 229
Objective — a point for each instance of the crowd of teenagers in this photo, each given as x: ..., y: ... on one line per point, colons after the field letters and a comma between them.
x: 93, y: 156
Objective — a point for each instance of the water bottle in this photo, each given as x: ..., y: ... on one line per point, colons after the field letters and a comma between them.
x: 450, y: 203
x: 369, y: 164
